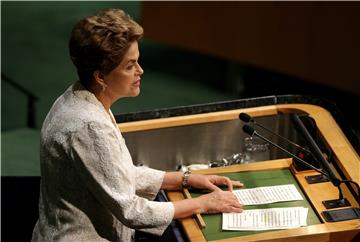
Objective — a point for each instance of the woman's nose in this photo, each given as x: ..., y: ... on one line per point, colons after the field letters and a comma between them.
x: 140, y: 70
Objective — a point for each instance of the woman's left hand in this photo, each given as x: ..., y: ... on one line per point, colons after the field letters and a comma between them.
x: 212, y: 182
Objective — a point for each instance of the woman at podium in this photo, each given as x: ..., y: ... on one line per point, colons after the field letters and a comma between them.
x: 90, y: 189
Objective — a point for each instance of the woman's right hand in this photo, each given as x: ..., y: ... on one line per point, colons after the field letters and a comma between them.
x: 220, y: 202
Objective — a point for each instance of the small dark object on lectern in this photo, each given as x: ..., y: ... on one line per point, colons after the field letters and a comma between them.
x: 336, y: 203
x: 309, y: 158
x: 341, y: 214
x: 316, y: 179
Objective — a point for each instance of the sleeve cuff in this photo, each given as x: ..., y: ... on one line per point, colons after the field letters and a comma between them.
x: 168, y: 211
x: 149, y: 182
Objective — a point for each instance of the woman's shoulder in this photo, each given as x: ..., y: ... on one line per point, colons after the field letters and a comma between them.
x: 71, y: 113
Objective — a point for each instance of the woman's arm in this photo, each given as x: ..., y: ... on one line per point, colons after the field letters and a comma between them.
x: 106, y: 170
x: 173, y: 180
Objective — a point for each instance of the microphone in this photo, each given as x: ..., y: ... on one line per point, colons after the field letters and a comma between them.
x: 341, y: 202
x: 247, y: 118
x: 251, y: 131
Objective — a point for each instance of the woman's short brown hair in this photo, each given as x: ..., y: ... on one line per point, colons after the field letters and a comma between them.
x: 98, y: 43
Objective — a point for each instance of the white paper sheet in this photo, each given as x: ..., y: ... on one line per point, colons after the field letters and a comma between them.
x: 265, y: 219
x: 269, y: 194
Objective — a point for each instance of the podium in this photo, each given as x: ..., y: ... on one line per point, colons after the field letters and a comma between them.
x: 346, y: 165
x: 316, y: 230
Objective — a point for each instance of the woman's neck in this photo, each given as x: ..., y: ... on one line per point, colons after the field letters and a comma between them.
x: 104, y: 99
x: 103, y: 96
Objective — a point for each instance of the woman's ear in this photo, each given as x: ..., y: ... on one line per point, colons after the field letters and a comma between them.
x: 100, y: 80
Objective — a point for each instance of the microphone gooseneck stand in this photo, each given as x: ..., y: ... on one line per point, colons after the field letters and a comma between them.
x: 341, y: 202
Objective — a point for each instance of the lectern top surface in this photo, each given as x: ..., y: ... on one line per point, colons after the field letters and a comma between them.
x: 253, y: 179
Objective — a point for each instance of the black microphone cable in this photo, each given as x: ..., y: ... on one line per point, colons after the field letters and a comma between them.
x: 357, y: 186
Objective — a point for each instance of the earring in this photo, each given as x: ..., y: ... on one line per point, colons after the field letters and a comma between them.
x: 103, y: 86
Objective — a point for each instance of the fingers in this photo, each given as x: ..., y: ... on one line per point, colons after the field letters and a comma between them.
x: 213, y: 187
x: 232, y: 210
x: 222, y: 201
x: 237, y: 184
x: 212, y: 182
x: 229, y: 183
x: 233, y: 207
x: 223, y: 180
x: 233, y: 200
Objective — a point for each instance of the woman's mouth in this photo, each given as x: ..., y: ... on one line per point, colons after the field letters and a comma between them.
x: 137, y: 83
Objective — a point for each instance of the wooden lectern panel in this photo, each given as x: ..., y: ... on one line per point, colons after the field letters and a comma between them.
x: 345, y: 156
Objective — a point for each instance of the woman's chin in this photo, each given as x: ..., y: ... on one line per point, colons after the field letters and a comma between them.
x: 136, y: 93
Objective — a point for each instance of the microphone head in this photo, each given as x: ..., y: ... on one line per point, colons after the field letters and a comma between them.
x: 248, y: 129
x: 245, y: 117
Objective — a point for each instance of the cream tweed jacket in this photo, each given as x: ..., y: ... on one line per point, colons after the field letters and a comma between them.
x: 90, y: 189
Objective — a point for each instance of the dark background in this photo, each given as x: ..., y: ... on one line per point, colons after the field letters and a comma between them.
x: 192, y: 53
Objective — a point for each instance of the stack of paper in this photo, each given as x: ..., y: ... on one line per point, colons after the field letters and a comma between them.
x: 265, y: 219
x: 270, y: 194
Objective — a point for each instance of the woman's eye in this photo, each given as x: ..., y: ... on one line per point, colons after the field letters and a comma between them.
x: 129, y: 67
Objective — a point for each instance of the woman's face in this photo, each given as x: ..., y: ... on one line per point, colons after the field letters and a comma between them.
x: 124, y: 80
